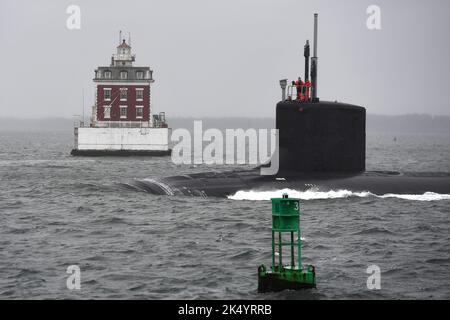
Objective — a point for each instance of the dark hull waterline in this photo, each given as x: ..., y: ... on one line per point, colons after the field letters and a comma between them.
x: 223, y: 184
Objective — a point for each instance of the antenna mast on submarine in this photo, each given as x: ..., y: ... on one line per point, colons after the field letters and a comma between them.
x: 306, y: 55
x: 314, y: 62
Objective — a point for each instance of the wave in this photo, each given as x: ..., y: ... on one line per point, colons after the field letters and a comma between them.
x: 313, y: 194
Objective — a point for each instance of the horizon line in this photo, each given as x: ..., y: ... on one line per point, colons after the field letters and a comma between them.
x: 217, y: 117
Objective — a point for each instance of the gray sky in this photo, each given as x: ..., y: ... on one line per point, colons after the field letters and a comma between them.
x: 224, y: 58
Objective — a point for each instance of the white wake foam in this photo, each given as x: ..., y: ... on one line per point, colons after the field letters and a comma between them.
x: 313, y: 194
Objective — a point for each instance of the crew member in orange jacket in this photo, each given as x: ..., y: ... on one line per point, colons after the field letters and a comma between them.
x: 307, y: 91
x: 299, y: 84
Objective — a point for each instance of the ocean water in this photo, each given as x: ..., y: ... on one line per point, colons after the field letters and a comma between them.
x: 57, y: 211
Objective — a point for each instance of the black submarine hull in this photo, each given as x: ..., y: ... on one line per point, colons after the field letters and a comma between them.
x: 224, y: 184
x: 322, y: 145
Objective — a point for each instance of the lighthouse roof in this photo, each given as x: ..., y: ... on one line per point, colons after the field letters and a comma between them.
x: 123, y: 44
x: 133, y: 74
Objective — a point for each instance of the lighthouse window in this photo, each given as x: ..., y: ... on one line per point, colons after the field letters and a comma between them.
x: 139, y: 94
x: 123, y: 94
x: 139, y: 75
x: 139, y: 112
x: 107, y: 112
x: 107, y: 74
x: 107, y: 94
x: 123, y: 112
x: 123, y: 75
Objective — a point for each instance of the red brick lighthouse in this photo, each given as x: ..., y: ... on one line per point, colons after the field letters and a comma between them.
x: 122, y: 122
x: 123, y: 91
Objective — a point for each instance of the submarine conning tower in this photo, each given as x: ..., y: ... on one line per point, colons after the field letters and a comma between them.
x: 318, y: 136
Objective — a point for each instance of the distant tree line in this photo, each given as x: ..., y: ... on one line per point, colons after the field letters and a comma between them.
x: 415, y: 123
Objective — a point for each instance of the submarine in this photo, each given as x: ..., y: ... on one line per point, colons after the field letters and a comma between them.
x: 322, y: 145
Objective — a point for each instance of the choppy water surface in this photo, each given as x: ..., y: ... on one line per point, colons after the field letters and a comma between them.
x: 57, y: 211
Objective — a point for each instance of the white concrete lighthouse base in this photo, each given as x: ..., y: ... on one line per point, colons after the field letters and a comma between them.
x: 121, y: 141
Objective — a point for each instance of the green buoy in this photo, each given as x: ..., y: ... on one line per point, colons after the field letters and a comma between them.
x: 285, y: 227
